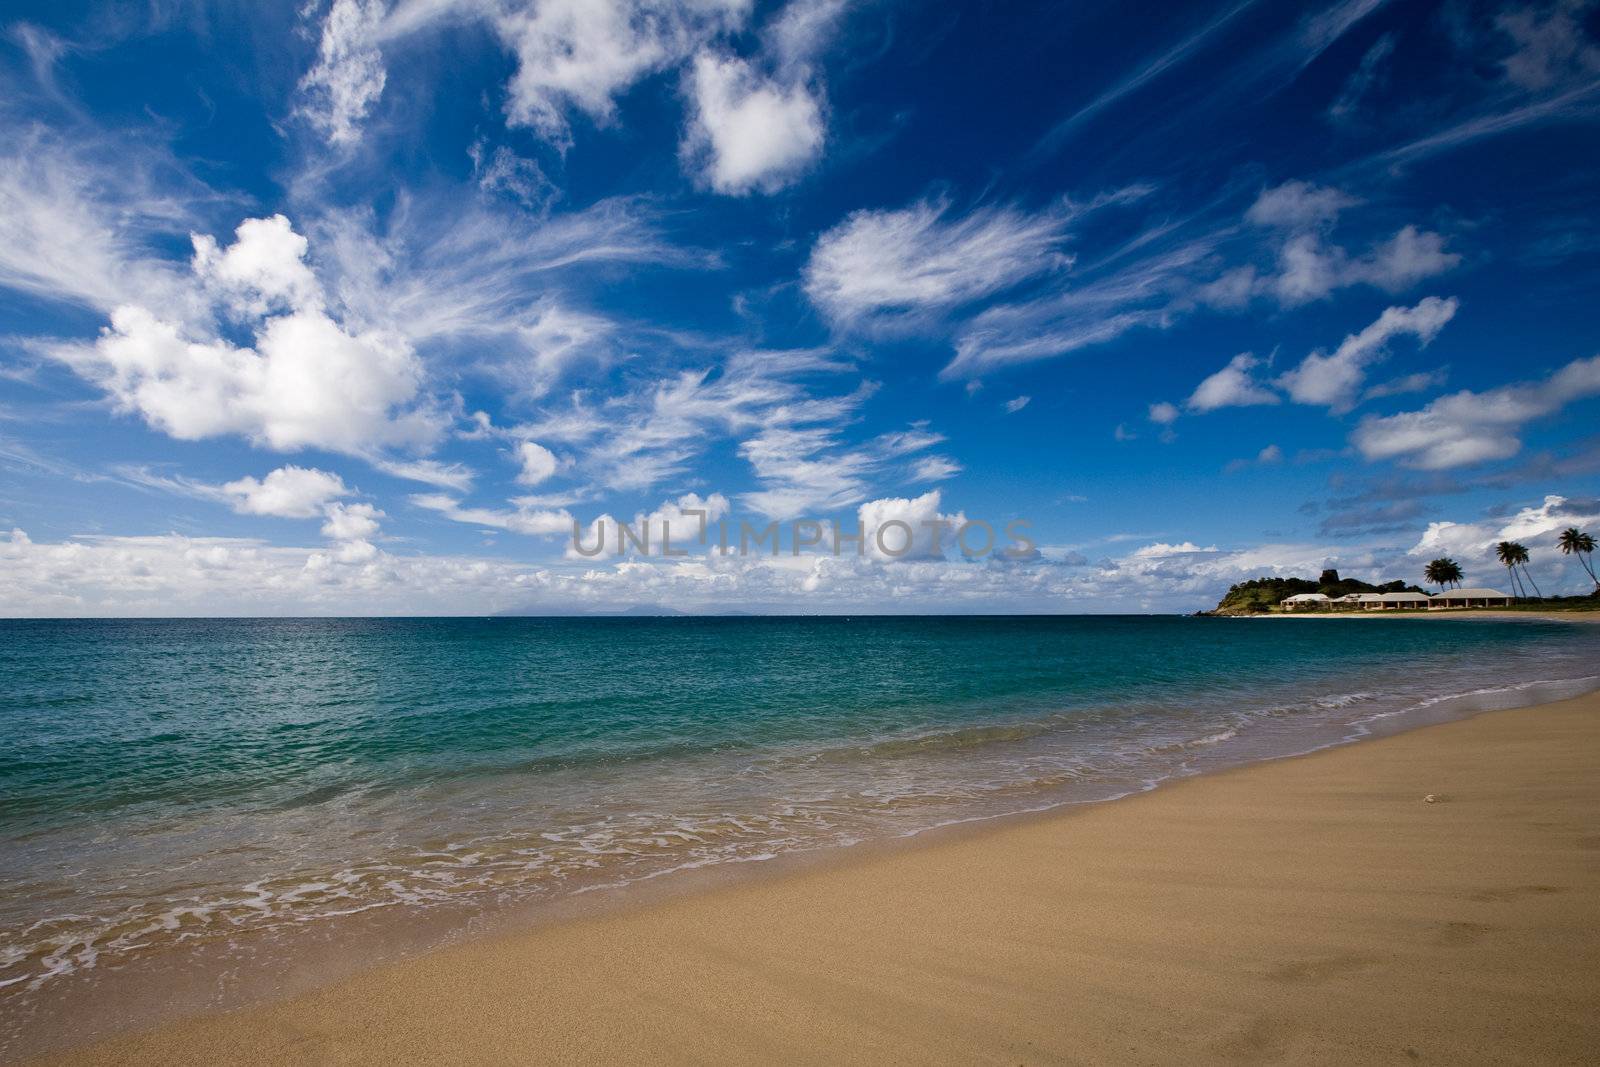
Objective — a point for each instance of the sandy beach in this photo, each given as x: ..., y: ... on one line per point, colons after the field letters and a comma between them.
x: 1314, y: 909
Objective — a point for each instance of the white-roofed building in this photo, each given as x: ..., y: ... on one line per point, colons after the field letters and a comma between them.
x: 1471, y: 597
x: 1304, y: 602
x: 1405, y: 601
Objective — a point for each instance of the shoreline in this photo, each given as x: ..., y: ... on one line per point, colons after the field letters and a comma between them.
x: 779, y: 931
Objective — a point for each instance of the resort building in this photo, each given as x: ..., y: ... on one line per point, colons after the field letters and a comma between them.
x: 1401, y: 602
x: 1471, y: 598
x: 1304, y: 602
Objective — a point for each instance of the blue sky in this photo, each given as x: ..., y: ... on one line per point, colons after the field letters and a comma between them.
x: 358, y: 307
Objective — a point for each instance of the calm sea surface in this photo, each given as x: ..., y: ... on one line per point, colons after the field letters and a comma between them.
x: 200, y: 782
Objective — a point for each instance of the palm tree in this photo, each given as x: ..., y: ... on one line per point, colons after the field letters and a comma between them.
x: 1507, y: 553
x: 1442, y: 572
x: 1519, y: 558
x: 1574, y: 542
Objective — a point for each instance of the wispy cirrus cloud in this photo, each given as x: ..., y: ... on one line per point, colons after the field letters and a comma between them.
x: 894, y: 267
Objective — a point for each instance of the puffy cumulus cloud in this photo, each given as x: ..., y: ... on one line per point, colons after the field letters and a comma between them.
x: 1334, y: 380
x: 288, y: 492
x: 1466, y: 428
x: 1232, y: 386
x: 881, y: 266
x: 538, y: 463
x: 264, y: 270
x: 351, y: 522
x: 749, y: 133
x: 306, y: 382
x: 582, y: 54
x: 897, y: 528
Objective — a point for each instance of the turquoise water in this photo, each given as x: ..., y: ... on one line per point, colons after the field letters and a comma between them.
x: 186, y: 782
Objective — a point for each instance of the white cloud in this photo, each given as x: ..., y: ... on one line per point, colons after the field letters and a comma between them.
x: 263, y: 271
x: 1467, y: 428
x: 1298, y: 205
x: 351, y: 522
x: 522, y: 179
x: 349, y: 75
x: 1143, y: 294
x: 934, y: 469
x: 1309, y: 267
x: 306, y: 382
x: 897, y: 528
x: 1163, y: 413
x: 748, y: 133
x: 651, y: 433
x: 430, y: 472
x: 1335, y: 380
x: 803, y: 470
x: 1162, y: 550
x: 1232, y: 386
x: 880, y: 265
x: 583, y: 54
x: 288, y: 492
x: 538, y: 462
x: 802, y: 30
x: 533, y: 521
x: 1017, y: 404
x: 77, y: 222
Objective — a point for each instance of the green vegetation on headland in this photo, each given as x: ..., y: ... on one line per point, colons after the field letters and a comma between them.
x: 1260, y: 595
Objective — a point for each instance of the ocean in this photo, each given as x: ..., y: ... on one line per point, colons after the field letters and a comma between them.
x: 214, y: 785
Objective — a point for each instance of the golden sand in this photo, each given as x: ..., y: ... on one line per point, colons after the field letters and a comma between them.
x: 1311, y: 910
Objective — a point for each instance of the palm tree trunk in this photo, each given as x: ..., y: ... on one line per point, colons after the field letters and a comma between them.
x: 1535, y: 585
x: 1583, y: 558
x: 1516, y: 589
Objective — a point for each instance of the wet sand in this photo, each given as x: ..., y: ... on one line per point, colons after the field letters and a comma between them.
x: 1308, y: 910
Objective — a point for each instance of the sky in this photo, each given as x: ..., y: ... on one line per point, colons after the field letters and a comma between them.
x: 357, y: 307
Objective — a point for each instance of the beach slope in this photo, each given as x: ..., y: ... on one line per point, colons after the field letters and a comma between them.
x: 1314, y: 910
